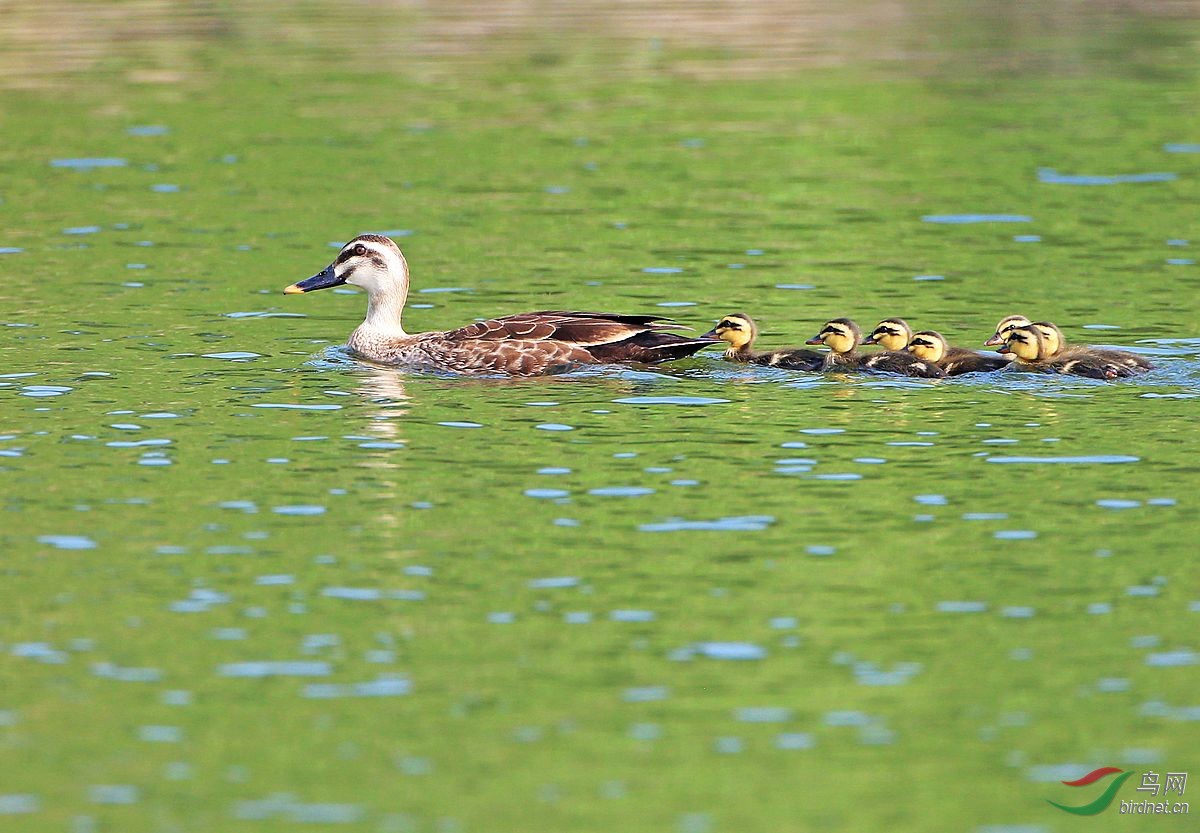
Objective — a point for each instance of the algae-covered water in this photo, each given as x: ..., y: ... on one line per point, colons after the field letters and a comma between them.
x: 250, y: 584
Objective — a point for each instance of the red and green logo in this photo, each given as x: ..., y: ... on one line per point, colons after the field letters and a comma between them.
x: 1104, y: 799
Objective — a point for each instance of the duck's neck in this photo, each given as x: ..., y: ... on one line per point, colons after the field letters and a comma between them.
x: 384, y: 310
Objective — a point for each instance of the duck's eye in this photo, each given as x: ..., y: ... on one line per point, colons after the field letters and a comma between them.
x: 360, y: 250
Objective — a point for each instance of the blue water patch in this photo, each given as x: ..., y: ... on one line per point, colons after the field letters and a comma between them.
x: 10, y: 250
x: 19, y: 803
x: 1173, y: 658
x: 284, y: 806
x: 369, y: 594
x: 1116, y: 503
x: 554, y: 426
x: 552, y: 582
x: 67, y: 542
x: 662, y: 270
x: 670, y: 400
x: 621, y: 491
x: 1053, y: 177
x: 959, y: 219
x: 148, y: 130
x: 632, y: 615
x: 293, y: 407
x: 762, y: 714
x: 961, y: 607
x: 737, y: 523
x: 75, y: 230
x: 1182, y: 147
x: 385, y: 686
x: 547, y: 494
x: 88, y: 163
x: 299, y: 509
x: 114, y: 794
x: 1081, y: 460
x: 460, y: 424
x: 645, y: 694
x: 165, y: 188
x: 733, y: 651
x: 929, y: 277
x: 794, y: 740
x: 275, y: 668
x: 1027, y: 238
x: 160, y: 734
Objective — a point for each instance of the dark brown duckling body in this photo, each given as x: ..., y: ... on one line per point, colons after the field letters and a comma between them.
x: 1034, y: 351
x: 1057, y: 345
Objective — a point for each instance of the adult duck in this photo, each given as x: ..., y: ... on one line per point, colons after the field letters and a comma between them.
x: 528, y: 344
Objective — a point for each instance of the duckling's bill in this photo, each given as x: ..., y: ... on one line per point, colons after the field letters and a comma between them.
x: 324, y: 279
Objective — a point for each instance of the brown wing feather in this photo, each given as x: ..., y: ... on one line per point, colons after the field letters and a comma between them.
x: 580, y: 328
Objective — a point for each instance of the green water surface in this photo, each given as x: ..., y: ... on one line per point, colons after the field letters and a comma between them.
x: 693, y: 598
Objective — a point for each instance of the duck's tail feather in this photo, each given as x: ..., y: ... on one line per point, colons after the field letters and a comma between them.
x: 651, y: 347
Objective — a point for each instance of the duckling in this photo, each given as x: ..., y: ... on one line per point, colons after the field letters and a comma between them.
x: 1056, y: 343
x: 932, y: 347
x: 529, y: 344
x: 842, y: 336
x: 1031, y: 349
x: 1005, y: 326
x: 739, y: 331
x: 890, y: 334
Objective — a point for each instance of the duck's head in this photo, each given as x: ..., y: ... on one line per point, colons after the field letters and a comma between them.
x: 1026, y: 343
x: 1006, y: 325
x: 1055, y: 341
x: 371, y: 261
x: 841, y: 335
x: 928, y: 346
x: 891, y: 333
x: 738, y: 330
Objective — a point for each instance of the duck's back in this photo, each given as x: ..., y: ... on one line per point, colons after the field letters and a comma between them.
x: 902, y: 362
x: 959, y: 360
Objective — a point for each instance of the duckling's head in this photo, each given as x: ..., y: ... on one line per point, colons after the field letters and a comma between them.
x: 928, y: 346
x: 371, y: 261
x: 841, y: 335
x: 1007, y: 324
x: 891, y: 333
x: 1026, y: 343
x: 737, y: 330
x: 1053, y: 336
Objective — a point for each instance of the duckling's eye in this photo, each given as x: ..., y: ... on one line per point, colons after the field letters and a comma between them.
x: 360, y: 250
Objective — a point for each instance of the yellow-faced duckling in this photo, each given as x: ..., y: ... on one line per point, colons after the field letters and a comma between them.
x: 931, y: 346
x: 739, y: 331
x: 842, y: 336
x: 1031, y: 349
x: 528, y: 344
x: 1005, y: 326
x: 890, y: 334
x: 1057, y: 344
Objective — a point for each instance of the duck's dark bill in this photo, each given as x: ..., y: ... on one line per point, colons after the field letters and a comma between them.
x: 711, y: 334
x: 322, y: 280
x: 814, y: 340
